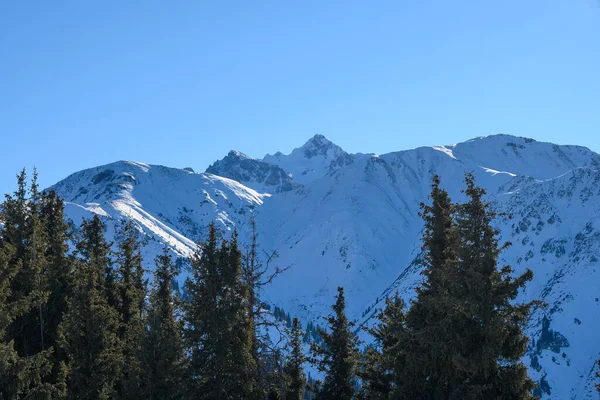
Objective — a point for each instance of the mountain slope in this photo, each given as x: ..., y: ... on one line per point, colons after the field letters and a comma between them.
x: 352, y: 220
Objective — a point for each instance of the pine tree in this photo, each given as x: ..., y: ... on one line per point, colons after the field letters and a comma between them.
x: 218, y: 324
x: 493, y: 341
x: 89, y: 330
x: 428, y: 369
x: 22, y: 241
x: 337, y: 357
x: 295, y: 378
x: 20, y: 377
x: 57, y: 276
x: 164, y: 360
x: 383, y: 362
x: 24, y: 230
x: 131, y: 302
x: 464, y: 335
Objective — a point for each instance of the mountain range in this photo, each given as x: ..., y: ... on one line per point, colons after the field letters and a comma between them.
x: 342, y: 219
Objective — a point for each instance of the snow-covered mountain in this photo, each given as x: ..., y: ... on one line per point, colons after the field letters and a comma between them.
x: 351, y: 219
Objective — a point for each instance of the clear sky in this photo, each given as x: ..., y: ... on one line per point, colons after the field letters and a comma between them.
x: 179, y: 83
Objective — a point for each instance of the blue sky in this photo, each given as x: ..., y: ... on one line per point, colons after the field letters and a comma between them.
x: 84, y: 83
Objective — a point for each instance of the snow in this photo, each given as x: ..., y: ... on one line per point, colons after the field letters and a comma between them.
x: 352, y: 220
x: 444, y: 150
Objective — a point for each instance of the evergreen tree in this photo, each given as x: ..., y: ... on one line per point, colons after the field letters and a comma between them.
x: 27, y: 357
x: 464, y: 336
x: 383, y: 362
x: 24, y: 231
x: 295, y: 378
x: 89, y: 330
x: 20, y: 377
x: 427, y: 369
x: 164, y: 360
x: 58, y: 274
x: 131, y: 302
x: 337, y: 357
x: 493, y: 341
x: 218, y: 324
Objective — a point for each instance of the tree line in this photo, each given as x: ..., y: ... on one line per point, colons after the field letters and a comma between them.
x: 79, y: 320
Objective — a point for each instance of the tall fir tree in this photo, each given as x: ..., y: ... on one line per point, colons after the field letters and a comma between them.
x: 383, y: 362
x: 58, y: 275
x: 20, y: 376
x: 131, y: 306
x: 294, y: 370
x: 492, y: 341
x: 338, y: 356
x: 218, y: 324
x: 464, y: 336
x: 24, y: 240
x: 429, y: 354
x: 89, y: 330
x: 24, y: 230
x: 164, y: 361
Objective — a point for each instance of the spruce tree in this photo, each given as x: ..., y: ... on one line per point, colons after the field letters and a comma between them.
x: 24, y: 230
x: 89, y: 330
x: 218, y: 324
x: 383, y: 362
x: 295, y: 378
x: 428, y: 357
x: 337, y: 357
x: 20, y: 376
x: 492, y: 341
x: 164, y: 360
x: 464, y: 336
x: 131, y: 305
x: 58, y: 275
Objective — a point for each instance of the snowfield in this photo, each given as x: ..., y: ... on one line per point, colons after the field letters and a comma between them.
x: 340, y: 219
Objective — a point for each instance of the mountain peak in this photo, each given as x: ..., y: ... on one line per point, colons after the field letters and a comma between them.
x: 235, y: 153
x: 318, y: 145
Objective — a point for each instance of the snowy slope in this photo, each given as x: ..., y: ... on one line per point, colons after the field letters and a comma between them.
x: 170, y: 206
x: 351, y: 220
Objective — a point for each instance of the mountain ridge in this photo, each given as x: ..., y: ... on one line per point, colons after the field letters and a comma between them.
x: 355, y: 223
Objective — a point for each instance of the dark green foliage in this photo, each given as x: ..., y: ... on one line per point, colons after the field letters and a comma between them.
x: 337, y: 357
x: 164, y: 360
x: 26, y: 341
x: 427, y: 356
x: 494, y: 341
x: 131, y: 305
x: 19, y: 376
x: 295, y: 378
x: 24, y: 231
x: 57, y: 277
x: 89, y: 331
x: 383, y: 360
x: 464, y: 336
x: 219, y: 329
